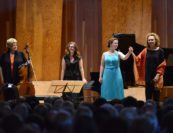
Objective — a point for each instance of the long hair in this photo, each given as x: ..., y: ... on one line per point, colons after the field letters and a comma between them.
x: 76, y: 52
x: 157, y: 44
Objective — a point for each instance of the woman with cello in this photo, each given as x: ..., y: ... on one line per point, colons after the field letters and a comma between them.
x: 16, y: 72
x: 9, y: 63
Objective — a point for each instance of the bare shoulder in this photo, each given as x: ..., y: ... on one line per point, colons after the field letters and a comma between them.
x: 119, y: 52
x: 105, y: 53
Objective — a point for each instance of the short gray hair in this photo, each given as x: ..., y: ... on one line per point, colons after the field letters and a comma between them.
x: 10, y: 42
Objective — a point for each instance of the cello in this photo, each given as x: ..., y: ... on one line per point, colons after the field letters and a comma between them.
x: 26, y: 87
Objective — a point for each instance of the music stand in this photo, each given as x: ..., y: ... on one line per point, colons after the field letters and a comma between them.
x: 90, y: 95
x: 89, y: 85
x: 60, y: 87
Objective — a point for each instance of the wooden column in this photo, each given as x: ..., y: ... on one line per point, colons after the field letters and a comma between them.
x: 7, y: 22
x: 82, y: 24
x: 127, y: 16
x: 39, y: 22
x: 162, y: 20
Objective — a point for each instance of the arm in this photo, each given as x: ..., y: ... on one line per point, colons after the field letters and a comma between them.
x: 140, y: 57
x: 161, y: 67
x: 1, y: 75
x: 101, y: 68
x: 133, y: 54
x: 63, y: 69
x: 125, y: 57
x: 82, y: 70
x: 1, y: 59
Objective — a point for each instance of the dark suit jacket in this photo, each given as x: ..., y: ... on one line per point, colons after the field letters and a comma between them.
x: 8, y: 76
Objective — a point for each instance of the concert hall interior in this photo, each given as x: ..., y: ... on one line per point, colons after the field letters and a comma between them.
x: 47, y: 26
x: 47, y: 32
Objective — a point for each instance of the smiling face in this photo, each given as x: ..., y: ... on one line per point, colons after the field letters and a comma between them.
x: 114, y: 45
x: 12, y: 44
x: 14, y: 47
x: 151, y: 41
x: 72, y: 48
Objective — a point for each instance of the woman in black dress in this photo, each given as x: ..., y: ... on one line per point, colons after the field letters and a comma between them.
x: 150, y: 66
x: 72, y: 64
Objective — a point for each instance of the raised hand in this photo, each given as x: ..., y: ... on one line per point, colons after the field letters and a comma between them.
x: 130, y: 49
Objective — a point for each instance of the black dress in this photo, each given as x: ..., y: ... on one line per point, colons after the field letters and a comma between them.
x: 11, y: 77
x: 153, y: 59
x: 72, y: 70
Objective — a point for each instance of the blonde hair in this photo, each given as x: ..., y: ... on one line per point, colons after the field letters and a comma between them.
x: 157, y: 38
x: 76, y: 53
x: 10, y: 42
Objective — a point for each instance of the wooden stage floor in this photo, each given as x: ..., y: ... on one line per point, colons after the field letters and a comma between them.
x: 42, y: 89
x: 137, y: 92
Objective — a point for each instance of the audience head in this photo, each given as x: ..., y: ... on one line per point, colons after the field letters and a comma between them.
x: 129, y: 101
x: 144, y: 124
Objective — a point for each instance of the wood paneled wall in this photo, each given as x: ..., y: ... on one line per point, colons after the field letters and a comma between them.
x: 82, y: 24
x: 48, y: 25
x: 39, y: 22
x: 126, y: 16
x: 68, y: 25
x: 162, y: 21
x: 7, y: 21
x: 88, y: 33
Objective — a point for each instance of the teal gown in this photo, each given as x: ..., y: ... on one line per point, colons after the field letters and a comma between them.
x: 112, y: 84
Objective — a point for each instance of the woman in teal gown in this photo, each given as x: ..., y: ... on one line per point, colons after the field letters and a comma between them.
x: 110, y: 74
